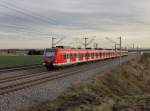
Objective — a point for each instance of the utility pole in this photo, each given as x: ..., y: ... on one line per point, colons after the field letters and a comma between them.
x: 53, y: 44
x: 120, y: 48
x: 133, y: 46
x: 85, y: 42
x: 125, y: 44
x: 137, y: 49
x: 95, y: 45
x: 120, y: 43
x: 116, y: 46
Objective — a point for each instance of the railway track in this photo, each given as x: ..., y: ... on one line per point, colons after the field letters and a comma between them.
x: 24, y: 75
x: 33, y: 80
x: 19, y: 82
x: 26, y: 67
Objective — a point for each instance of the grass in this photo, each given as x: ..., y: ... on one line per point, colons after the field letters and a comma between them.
x: 18, y: 60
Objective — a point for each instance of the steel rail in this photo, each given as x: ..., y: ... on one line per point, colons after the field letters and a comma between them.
x: 26, y: 67
x: 40, y: 78
x: 19, y: 86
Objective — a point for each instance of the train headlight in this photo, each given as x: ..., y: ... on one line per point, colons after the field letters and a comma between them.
x: 44, y: 63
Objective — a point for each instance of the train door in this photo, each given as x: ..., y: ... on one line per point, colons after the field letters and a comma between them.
x: 77, y: 57
x: 68, y: 57
x: 84, y: 58
x: 73, y: 57
x: 64, y: 58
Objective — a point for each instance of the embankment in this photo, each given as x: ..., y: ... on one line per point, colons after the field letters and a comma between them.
x: 125, y: 88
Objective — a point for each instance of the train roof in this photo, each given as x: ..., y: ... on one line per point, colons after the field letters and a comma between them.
x: 77, y: 49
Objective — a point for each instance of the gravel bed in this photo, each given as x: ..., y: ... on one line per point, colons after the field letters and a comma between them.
x: 50, y: 90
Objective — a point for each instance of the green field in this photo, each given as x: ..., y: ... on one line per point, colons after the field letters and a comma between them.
x: 18, y: 60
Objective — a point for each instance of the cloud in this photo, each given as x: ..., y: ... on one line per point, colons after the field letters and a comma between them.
x: 37, y: 18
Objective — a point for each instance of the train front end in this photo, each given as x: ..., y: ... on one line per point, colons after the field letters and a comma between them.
x: 49, y: 58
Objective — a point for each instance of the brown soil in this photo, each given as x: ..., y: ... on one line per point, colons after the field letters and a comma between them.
x: 125, y: 88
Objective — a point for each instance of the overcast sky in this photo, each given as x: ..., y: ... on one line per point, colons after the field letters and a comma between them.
x: 31, y: 23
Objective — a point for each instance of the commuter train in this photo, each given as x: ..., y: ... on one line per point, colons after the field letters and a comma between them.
x: 60, y: 56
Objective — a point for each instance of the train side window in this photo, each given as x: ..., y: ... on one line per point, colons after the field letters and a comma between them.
x: 77, y: 55
x: 82, y: 55
x: 86, y: 55
x: 89, y: 54
x: 65, y: 56
x: 97, y: 54
x: 70, y: 55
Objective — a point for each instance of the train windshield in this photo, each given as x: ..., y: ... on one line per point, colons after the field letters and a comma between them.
x: 50, y: 53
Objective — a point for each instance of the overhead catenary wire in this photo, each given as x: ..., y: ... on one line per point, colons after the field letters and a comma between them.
x: 23, y: 29
x: 27, y: 13
x: 17, y: 26
x: 25, y: 32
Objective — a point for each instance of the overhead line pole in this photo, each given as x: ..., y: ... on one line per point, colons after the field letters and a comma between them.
x: 120, y: 48
x: 116, y: 46
x: 85, y: 42
x: 133, y: 45
x: 53, y: 44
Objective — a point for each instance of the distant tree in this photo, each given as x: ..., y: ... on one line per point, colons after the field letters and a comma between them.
x: 35, y: 52
x: 8, y: 51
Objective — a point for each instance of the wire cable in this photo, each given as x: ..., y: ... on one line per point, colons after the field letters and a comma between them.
x: 25, y: 12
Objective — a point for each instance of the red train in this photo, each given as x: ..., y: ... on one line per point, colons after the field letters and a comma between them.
x: 60, y: 56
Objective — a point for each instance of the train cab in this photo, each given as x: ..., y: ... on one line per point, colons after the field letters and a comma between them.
x: 49, y: 57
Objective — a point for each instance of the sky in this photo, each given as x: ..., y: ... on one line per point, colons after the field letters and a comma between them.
x: 32, y: 23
